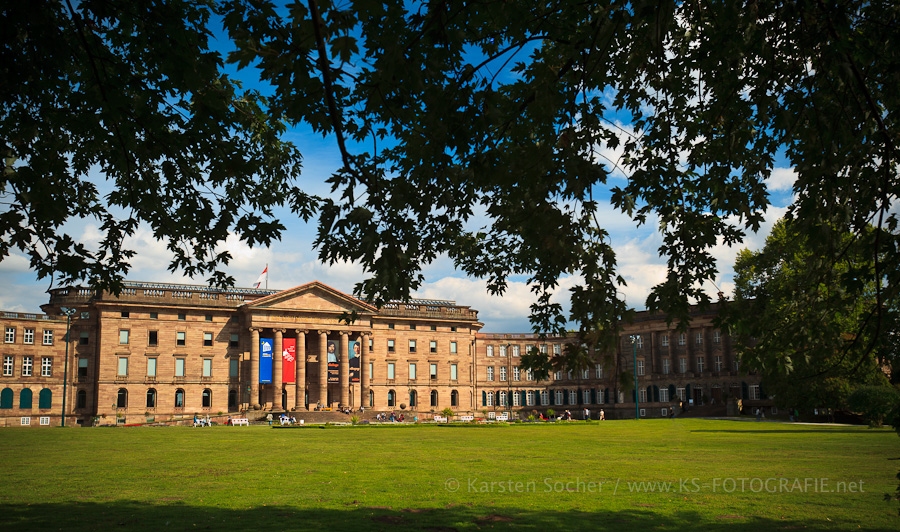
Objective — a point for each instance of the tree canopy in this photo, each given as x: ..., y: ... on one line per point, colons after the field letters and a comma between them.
x: 447, y: 113
x: 805, y: 321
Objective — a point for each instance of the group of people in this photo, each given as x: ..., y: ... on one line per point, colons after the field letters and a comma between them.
x: 202, y: 422
x: 389, y: 417
x: 285, y: 419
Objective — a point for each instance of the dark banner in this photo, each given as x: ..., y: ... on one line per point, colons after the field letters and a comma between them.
x: 355, y: 348
x: 333, y: 368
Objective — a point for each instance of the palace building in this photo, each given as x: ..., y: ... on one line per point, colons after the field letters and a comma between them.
x: 170, y: 351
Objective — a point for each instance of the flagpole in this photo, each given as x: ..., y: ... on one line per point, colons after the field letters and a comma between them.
x: 267, y: 276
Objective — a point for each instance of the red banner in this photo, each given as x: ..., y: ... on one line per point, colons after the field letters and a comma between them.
x: 288, y: 356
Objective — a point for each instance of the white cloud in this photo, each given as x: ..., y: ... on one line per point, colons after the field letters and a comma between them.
x: 781, y: 179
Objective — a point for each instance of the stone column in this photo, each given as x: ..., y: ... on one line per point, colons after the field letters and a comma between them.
x: 345, y: 369
x: 364, y: 372
x: 277, y: 369
x: 323, y: 368
x: 300, y: 377
x: 254, y: 367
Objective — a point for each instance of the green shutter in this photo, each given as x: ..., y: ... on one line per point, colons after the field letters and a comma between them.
x: 25, y: 399
x: 45, y: 399
x: 6, y: 398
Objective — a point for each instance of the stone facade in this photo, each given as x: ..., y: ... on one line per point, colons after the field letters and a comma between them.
x: 159, y: 352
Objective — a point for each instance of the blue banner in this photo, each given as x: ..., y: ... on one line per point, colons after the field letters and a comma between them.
x: 266, y: 346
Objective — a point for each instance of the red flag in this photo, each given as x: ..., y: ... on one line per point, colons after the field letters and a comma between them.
x: 264, y: 276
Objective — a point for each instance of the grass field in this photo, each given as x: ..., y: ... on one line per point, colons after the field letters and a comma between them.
x: 614, y: 475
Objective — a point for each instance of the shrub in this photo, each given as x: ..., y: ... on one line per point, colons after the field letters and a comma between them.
x: 875, y: 403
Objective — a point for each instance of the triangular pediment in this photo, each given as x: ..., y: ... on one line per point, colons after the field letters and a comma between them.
x: 313, y: 296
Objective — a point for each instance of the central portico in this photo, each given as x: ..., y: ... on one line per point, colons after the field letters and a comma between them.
x: 307, y: 328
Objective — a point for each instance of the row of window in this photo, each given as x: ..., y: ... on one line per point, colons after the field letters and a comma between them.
x: 155, y: 315
x: 392, y: 400
x: 27, y: 365
x: 682, y: 339
x: 414, y: 327
x: 180, y: 338
x: 206, y: 368
x: 413, y: 372
x: 432, y: 346
x: 151, y: 398
x: 28, y: 336
x: 26, y: 396
x: 589, y: 396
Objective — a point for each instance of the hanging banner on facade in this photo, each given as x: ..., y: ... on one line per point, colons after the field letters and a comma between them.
x: 265, y: 359
x: 333, y: 369
x: 288, y: 358
x: 355, y: 349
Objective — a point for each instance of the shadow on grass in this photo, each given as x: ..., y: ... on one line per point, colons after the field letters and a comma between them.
x: 173, y: 515
x: 882, y: 431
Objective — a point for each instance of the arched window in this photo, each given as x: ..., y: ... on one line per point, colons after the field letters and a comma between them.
x: 412, y: 398
x: 151, y: 398
x: 454, y: 398
x: 434, y: 398
x: 25, y: 399
x: 371, y: 398
x: 207, y: 398
x: 6, y: 398
x: 179, y: 398
x: 391, y: 400
x: 232, y: 399
x: 81, y: 399
x: 122, y: 398
x: 45, y: 399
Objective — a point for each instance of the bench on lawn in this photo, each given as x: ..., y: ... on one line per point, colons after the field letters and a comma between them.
x: 240, y: 421
x: 503, y: 417
x: 466, y: 418
x: 440, y: 419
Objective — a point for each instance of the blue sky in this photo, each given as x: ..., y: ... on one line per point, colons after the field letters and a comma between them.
x: 293, y: 261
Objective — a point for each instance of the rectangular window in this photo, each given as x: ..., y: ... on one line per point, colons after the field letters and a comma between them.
x: 527, y: 349
x: 10, y: 337
x: 233, y: 367
x: 517, y: 373
x: 180, y: 338
x: 490, y: 373
x: 664, y: 394
x: 665, y: 364
x: 7, y: 366
x: 390, y: 346
x: 642, y: 395
x: 85, y: 315
x: 83, y: 338
x: 207, y: 339
x: 432, y: 345
x: 412, y: 327
x: 502, y: 374
x: 569, y: 375
x: 699, y: 338
x: 182, y: 316
x: 207, y: 367
x: 598, y: 371
x: 125, y: 314
x: 29, y: 336
x: 664, y: 340
x: 490, y: 351
x: 556, y: 349
x: 503, y: 350
x: 371, y: 370
x: 123, y: 367
x: 640, y: 367
x: 25, y: 421
x: 489, y: 399
x: 515, y: 352
x: 46, y: 367
x: 208, y: 317
x: 718, y: 363
x: 754, y: 392
x: 529, y: 398
x: 153, y: 338
x: 179, y: 367
x: 680, y: 393
x: 453, y: 329
x: 412, y: 346
x: 391, y: 326
x: 434, y: 327
x: 557, y: 375
x: 545, y: 398
x: 154, y: 315
x: 682, y: 365
x: 529, y: 375
x: 585, y: 374
x: 453, y: 375
x: 151, y: 367
x: 234, y: 341
x: 452, y: 348
x: 717, y: 337
x: 433, y: 369
x: 27, y: 363
x: 390, y: 371
x: 45, y: 420
x: 736, y: 365
x: 543, y: 349
x: 412, y: 371
x: 699, y: 364
x: 48, y: 337
x: 82, y: 368
x: 639, y: 341
x: 573, y: 397
x: 123, y: 336
x: 682, y: 339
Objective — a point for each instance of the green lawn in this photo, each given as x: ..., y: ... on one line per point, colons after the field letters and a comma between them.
x: 726, y: 475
